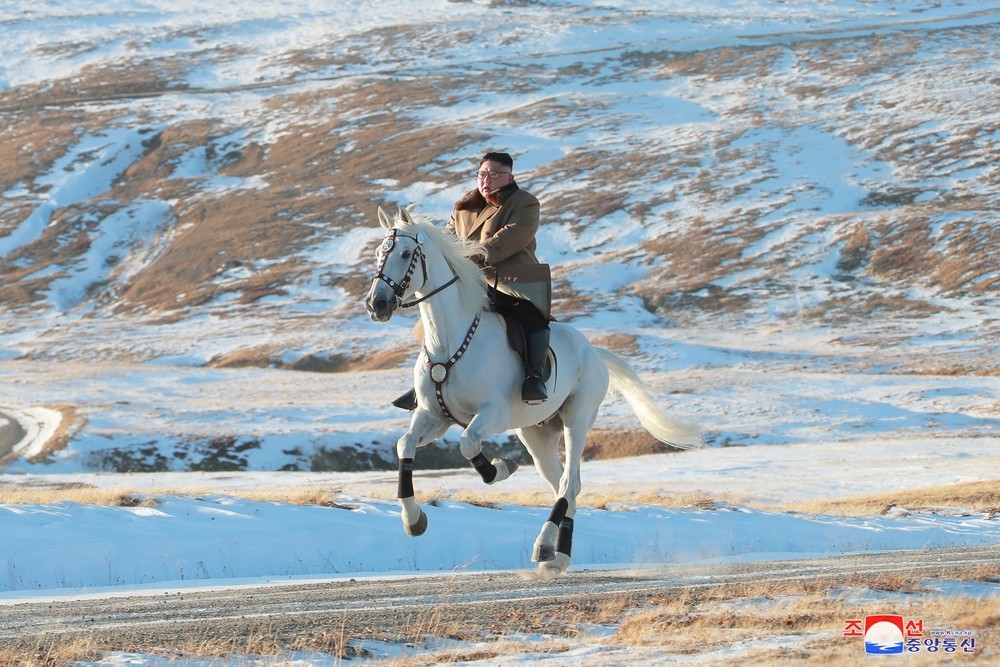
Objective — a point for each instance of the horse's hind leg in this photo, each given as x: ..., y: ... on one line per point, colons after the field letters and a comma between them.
x: 575, y: 436
x: 542, y: 442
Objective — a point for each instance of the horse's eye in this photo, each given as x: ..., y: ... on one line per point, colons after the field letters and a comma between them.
x: 406, y: 254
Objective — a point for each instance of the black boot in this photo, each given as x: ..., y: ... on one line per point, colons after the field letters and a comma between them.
x: 407, y: 401
x: 533, y: 390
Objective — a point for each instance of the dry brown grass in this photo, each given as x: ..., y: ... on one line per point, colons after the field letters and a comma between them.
x: 977, y: 497
x: 605, y: 444
x: 622, y: 343
x: 540, y: 498
x: 726, y: 617
x: 271, y: 357
x: 986, y: 368
x: 807, y: 617
x: 76, y: 493
x: 130, y: 497
x: 970, y: 496
x: 257, y: 640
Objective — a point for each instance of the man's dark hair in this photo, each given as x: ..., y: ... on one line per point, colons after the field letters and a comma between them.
x: 503, y: 158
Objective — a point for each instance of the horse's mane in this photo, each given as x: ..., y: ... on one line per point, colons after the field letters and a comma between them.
x: 456, y: 252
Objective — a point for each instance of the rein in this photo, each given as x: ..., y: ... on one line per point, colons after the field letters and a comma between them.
x: 410, y: 304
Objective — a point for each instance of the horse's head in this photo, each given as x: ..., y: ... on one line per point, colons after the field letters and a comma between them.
x: 444, y: 260
x: 398, y: 257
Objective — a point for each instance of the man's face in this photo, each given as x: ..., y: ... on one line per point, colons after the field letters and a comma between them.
x: 492, y: 176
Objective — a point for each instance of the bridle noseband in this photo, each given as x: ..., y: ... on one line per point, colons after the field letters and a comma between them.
x: 399, y: 289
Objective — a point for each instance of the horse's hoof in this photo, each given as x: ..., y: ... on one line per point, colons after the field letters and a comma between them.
x: 558, y: 565
x: 417, y: 529
x: 504, y: 467
x: 543, y: 553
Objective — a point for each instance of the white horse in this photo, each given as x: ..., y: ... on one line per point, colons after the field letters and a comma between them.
x: 467, y: 374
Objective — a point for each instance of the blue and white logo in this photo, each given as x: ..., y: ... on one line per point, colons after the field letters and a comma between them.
x: 883, y: 634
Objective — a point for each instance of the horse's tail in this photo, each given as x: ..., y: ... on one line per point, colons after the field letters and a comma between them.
x: 625, y: 380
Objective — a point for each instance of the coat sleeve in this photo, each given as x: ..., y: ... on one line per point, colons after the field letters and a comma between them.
x: 517, y: 232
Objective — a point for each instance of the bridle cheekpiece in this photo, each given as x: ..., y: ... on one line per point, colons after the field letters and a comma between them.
x: 399, y: 289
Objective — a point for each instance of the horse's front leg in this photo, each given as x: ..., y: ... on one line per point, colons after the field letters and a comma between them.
x: 489, y: 421
x: 424, y: 427
x: 557, y: 532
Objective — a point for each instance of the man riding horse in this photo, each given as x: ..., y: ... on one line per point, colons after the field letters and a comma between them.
x: 504, y: 219
x: 467, y: 375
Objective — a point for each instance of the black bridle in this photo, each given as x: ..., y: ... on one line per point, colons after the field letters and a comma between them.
x: 438, y: 371
x: 399, y: 289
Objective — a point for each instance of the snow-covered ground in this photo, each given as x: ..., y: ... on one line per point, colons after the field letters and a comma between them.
x: 208, y: 535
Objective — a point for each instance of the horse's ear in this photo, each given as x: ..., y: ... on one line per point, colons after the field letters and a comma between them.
x: 383, y: 219
x: 404, y: 215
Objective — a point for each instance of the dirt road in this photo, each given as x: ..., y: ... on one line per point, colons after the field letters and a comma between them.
x: 404, y: 609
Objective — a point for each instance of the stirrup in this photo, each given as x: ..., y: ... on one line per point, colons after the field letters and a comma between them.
x: 407, y: 401
x: 533, y: 390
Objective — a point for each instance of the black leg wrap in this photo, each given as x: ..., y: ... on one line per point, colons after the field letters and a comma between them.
x: 405, y: 489
x: 559, y: 511
x: 486, y: 470
x: 564, y: 543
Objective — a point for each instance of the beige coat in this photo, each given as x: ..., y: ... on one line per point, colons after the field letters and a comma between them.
x: 507, y: 233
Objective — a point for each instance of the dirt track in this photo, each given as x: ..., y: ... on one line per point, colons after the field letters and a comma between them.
x: 404, y: 609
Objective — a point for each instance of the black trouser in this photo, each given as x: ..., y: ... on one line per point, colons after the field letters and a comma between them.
x: 523, y: 310
x: 536, y: 342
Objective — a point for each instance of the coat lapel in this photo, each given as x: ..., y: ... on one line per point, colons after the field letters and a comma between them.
x: 475, y: 229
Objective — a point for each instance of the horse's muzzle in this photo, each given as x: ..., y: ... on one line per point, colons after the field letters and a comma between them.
x: 379, y: 305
